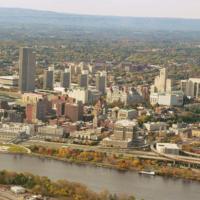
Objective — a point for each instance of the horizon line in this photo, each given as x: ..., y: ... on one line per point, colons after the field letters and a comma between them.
x: 99, y: 15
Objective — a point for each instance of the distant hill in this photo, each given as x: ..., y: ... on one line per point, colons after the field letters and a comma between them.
x: 38, y: 26
x: 14, y: 16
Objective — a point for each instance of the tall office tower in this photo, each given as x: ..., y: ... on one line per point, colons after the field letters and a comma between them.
x: 161, y: 83
x: 83, y: 79
x: 191, y: 87
x: 101, y: 82
x: 48, y: 79
x: 163, y: 78
x: 26, y: 70
x: 65, y: 78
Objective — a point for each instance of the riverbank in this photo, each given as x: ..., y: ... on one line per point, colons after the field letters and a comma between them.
x: 12, y: 148
x: 62, y: 190
x: 99, y: 159
x: 99, y: 179
x: 121, y: 163
x: 7, y: 194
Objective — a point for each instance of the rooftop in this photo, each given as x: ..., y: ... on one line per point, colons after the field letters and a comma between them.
x: 126, y: 123
x: 168, y: 145
x: 9, y: 77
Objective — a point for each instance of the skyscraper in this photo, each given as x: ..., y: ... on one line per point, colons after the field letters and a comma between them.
x: 26, y: 70
x: 65, y: 78
x: 101, y: 82
x: 162, y: 83
x: 83, y: 79
x: 48, y: 79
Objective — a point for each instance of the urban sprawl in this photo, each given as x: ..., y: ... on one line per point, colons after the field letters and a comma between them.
x: 86, y: 106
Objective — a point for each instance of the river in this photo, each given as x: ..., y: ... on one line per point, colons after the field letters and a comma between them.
x: 99, y: 179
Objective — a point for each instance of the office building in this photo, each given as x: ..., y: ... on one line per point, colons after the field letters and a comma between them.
x: 83, y: 79
x: 65, y: 106
x: 191, y: 87
x: 32, y: 98
x: 74, y: 111
x: 162, y: 92
x: 174, y: 98
x: 58, y: 104
x: 128, y: 96
x: 65, y: 81
x: 48, y: 82
x: 162, y: 83
x: 101, y: 82
x: 27, y: 72
x: 93, y: 95
x: 124, y: 134
x: 37, y: 108
x: 50, y: 132
x: 15, y: 116
x: 128, y: 114
x: 78, y: 93
x: 168, y: 148
x: 155, y: 126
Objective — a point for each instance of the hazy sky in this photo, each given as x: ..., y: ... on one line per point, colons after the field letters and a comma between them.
x: 155, y: 8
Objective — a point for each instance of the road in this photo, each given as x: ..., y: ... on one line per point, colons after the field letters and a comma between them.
x: 153, y: 155
x: 183, y: 159
x: 116, y: 151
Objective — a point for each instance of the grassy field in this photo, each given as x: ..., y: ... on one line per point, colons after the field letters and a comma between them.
x: 12, y: 148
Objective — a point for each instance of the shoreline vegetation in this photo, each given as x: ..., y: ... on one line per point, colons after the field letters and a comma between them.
x: 99, y: 159
x: 113, y: 161
x: 62, y: 189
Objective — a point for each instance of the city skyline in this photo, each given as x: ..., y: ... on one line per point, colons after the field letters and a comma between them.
x: 135, y: 8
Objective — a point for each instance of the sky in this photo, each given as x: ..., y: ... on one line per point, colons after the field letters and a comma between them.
x: 138, y: 8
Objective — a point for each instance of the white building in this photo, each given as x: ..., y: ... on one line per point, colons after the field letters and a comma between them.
x: 126, y: 96
x: 155, y: 126
x: 50, y: 131
x: 59, y: 89
x: 168, y: 148
x: 78, y: 93
x: 162, y: 91
x: 9, y: 81
x: 86, y: 135
x: 191, y: 87
x: 16, y: 128
x: 162, y: 83
x: 174, y: 98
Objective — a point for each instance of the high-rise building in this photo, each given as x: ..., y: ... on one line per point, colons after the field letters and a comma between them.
x: 101, y: 82
x: 162, y: 83
x: 37, y: 111
x: 83, y: 79
x: 66, y: 106
x: 48, y: 79
x: 74, y: 111
x: 65, y: 78
x: 163, y: 93
x: 26, y: 70
x: 191, y: 87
